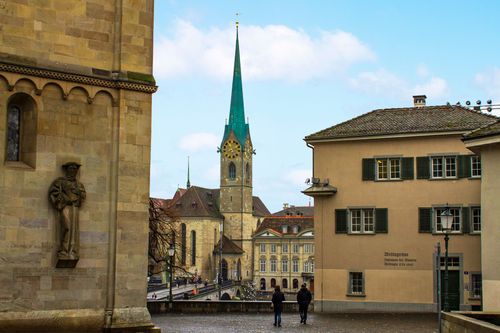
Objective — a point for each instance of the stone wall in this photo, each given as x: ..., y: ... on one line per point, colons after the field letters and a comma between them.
x: 470, y: 322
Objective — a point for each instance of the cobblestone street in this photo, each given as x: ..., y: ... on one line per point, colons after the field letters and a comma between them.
x: 369, y: 323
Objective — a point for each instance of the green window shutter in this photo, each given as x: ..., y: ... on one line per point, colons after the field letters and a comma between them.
x: 423, y: 168
x: 381, y: 224
x: 424, y: 219
x: 368, y: 169
x: 465, y: 220
x: 407, y: 168
x: 463, y: 164
x: 341, y: 221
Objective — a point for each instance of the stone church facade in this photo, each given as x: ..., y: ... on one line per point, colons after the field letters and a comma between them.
x: 75, y: 91
x: 232, y: 208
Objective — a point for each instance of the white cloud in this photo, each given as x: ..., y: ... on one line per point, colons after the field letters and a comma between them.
x: 199, y: 141
x: 490, y: 82
x: 386, y: 83
x: 267, y: 52
x: 297, y: 176
x: 423, y: 71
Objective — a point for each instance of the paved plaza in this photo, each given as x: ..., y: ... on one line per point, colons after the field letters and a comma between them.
x: 263, y: 322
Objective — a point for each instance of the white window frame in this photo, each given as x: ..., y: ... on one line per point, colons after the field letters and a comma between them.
x: 308, y: 248
x: 446, y: 170
x: 456, y: 226
x: 362, y: 217
x: 356, y: 283
x: 273, y: 266
x: 475, y: 219
x: 284, y: 248
x: 262, y: 248
x: 295, y: 265
x: 388, y: 168
x: 273, y: 248
x: 475, y: 166
x: 284, y: 265
x: 295, y: 248
x: 262, y: 265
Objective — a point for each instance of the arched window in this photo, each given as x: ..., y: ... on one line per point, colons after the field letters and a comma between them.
x: 232, y: 171
x: 273, y: 282
x: 183, y: 244
x: 295, y: 284
x: 262, y: 284
x: 285, y: 283
x: 21, y: 130
x: 193, y: 248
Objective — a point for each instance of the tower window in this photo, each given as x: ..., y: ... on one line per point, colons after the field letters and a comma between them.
x: 193, y: 248
x: 232, y: 171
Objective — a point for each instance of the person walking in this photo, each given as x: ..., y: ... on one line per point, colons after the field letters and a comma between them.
x: 278, y: 299
x: 303, y: 298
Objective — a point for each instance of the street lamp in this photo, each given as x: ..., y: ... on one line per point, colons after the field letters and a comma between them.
x: 171, y: 252
x: 446, y: 225
x: 219, y: 276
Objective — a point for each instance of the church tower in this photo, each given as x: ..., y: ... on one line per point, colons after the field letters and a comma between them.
x: 236, y: 153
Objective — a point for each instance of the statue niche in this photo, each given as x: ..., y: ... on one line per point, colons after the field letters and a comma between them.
x: 67, y: 195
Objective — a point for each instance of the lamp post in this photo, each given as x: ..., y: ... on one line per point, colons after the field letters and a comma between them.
x: 446, y: 226
x: 219, y: 276
x: 171, y: 252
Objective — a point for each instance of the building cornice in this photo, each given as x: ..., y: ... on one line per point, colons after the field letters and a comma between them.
x: 388, y: 136
x: 122, y: 81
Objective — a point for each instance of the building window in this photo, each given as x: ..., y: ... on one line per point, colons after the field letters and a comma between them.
x: 456, y: 224
x: 444, y: 167
x: 232, y: 171
x: 295, y: 265
x: 273, y: 282
x: 284, y: 248
x: 285, y: 283
x: 284, y: 229
x: 475, y: 166
x: 362, y: 221
x: 476, y: 219
x: 273, y: 265
x: 273, y: 248
x: 262, y: 248
x: 193, y: 248
x: 306, y: 267
x: 284, y: 265
x: 295, y: 284
x: 262, y: 284
x: 356, y: 283
x: 183, y: 244
x: 388, y: 168
x: 295, y: 248
x: 13, y: 133
x: 475, y: 286
x: 262, y: 265
x: 308, y: 248
x: 452, y: 262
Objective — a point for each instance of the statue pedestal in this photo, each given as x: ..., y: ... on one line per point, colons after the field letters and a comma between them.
x: 64, y: 262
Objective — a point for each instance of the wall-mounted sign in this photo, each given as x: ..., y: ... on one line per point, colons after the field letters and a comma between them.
x: 398, y: 259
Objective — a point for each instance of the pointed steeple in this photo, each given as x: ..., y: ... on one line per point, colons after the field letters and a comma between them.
x: 237, y: 110
x: 188, y: 183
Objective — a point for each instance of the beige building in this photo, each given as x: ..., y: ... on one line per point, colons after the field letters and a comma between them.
x: 283, y: 246
x: 75, y: 86
x: 485, y: 141
x: 381, y: 181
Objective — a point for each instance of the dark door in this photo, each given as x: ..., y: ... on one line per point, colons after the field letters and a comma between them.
x: 224, y: 270
x: 453, y: 290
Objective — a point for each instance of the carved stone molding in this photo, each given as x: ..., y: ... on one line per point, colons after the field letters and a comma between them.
x: 95, y: 81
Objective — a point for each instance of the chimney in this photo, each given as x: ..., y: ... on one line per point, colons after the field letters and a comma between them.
x: 285, y: 205
x: 419, y: 101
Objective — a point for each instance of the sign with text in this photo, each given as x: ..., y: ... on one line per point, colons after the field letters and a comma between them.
x: 399, y: 259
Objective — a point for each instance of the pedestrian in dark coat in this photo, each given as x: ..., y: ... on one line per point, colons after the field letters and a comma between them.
x: 278, y: 299
x: 304, y: 297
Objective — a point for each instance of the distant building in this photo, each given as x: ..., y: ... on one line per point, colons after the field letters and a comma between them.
x: 283, y: 246
x: 381, y: 182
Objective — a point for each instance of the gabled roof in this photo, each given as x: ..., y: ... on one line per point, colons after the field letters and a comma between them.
x: 485, y: 131
x: 412, y: 120
x: 296, y: 211
x: 228, y: 247
x: 197, y: 202
x: 275, y: 223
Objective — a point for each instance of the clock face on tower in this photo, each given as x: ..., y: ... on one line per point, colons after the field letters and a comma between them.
x: 231, y: 149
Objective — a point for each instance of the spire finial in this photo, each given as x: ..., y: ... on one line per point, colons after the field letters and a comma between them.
x: 237, y: 22
x: 188, y: 184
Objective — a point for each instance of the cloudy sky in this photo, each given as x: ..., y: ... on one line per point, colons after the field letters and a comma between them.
x: 306, y: 65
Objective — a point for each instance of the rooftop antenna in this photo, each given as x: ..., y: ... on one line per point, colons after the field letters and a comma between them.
x: 188, y: 183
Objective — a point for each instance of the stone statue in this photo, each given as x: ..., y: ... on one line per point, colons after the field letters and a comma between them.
x: 66, y: 195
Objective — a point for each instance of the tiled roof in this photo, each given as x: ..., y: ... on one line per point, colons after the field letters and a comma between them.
x: 296, y: 211
x: 489, y: 130
x: 276, y: 222
x: 259, y: 208
x: 228, y: 246
x: 427, y: 119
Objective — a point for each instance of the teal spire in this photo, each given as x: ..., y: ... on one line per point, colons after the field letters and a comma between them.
x: 188, y: 183
x: 237, y: 110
